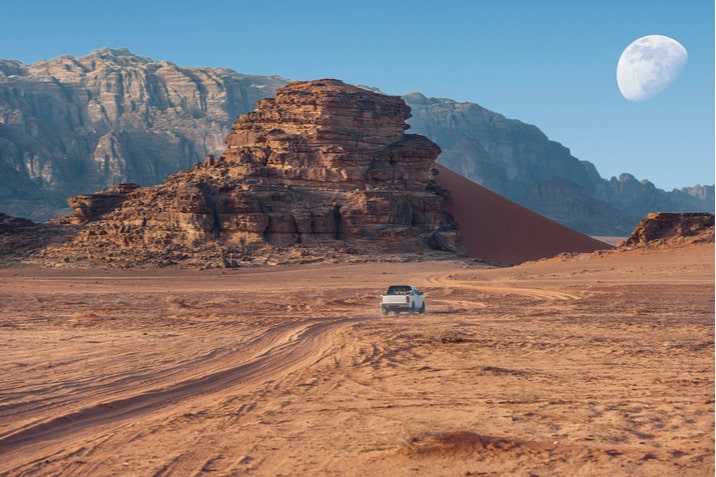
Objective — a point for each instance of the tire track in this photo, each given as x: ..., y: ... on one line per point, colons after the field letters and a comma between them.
x: 278, y: 351
x: 444, y: 280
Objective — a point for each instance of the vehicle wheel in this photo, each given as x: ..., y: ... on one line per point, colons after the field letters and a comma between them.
x: 422, y: 308
x: 384, y: 312
x: 412, y: 308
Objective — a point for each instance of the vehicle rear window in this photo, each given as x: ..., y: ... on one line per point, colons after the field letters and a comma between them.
x: 398, y: 290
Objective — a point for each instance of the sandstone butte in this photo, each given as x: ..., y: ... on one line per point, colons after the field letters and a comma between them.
x: 323, y: 171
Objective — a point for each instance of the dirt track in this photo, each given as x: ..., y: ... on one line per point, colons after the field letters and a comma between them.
x: 590, y: 366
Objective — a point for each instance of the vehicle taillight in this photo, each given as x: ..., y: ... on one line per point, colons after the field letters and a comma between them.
x: 407, y: 299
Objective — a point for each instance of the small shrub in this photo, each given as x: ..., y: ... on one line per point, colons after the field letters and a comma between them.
x: 445, y: 336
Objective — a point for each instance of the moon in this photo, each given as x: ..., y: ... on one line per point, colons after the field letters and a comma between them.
x: 649, y: 65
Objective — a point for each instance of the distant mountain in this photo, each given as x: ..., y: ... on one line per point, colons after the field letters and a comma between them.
x: 519, y: 162
x: 79, y: 125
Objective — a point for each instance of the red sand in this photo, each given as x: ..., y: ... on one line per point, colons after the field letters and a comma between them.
x: 601, y: 364
x: 498, y: 230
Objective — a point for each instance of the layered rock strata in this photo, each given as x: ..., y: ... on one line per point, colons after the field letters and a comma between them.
x: 72, y: 125
x: 664, y: 228
x: 323, y: 165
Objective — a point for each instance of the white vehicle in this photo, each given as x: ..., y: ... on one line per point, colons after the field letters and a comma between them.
x: 402, y: 298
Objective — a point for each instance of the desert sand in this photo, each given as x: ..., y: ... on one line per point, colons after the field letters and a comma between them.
x: 595, y: 364
x: 500, y: 231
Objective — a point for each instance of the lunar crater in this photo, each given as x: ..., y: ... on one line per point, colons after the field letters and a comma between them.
x: 649, y: 65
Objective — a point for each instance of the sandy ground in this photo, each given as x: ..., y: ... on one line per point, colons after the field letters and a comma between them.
x: 602, y: 364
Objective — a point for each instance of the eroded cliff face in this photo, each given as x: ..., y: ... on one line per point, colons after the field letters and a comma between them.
x: 323, y: 167
x: 72, y: 125
x: 660, y: 229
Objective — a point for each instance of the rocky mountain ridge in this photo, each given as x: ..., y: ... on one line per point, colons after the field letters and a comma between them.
x: 322, y: 168
x: 72, y: 126
x: 517, y: 161
x: 78, y: 125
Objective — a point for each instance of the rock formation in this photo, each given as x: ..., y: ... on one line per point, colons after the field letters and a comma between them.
x: 10, y: 224
x: 322, y: 166
x: 660, y: 228
x: 21, y: 238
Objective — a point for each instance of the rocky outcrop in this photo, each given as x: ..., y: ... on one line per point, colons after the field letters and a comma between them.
x: 320, y: 168
x: 10, y: 224
x: 21, y: 238
x: 87, y: 207
x: 659, y: 229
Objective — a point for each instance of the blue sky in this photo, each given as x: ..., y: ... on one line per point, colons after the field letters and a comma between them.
x: 551, y: 63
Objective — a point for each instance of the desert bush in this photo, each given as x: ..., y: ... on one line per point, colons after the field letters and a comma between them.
x: 445, y: 336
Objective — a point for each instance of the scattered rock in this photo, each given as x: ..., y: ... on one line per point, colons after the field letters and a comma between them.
x: 20, y: 237
x: 10, y: 224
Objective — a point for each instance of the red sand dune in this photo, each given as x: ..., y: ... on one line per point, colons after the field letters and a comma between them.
x: 498, y: 230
